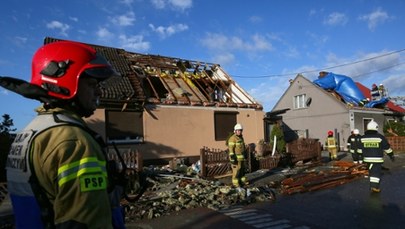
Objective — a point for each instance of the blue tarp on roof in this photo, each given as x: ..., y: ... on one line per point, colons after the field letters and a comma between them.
x: 347, y: 88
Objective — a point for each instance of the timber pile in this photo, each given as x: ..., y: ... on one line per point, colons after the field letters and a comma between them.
x: 340, y: 172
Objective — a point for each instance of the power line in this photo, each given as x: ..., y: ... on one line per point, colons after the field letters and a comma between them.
x: 332, y: 67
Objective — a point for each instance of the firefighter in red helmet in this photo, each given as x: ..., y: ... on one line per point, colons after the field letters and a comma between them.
x: 60, y: 179
x: 331, y: 145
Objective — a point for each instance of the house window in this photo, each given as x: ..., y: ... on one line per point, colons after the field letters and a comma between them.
x: 224, y: 123
x: 124, y: 126
x: 299, y: 101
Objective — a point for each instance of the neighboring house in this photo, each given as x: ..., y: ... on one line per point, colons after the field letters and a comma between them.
x: 169, y: 107
x: 311, y: 111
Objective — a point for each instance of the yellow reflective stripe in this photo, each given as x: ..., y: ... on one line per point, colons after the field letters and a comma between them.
x: 231, y: 143
x: 377, y: 140
x: 374, y: 180
x: 388, y: 151
x: 78, y: 168
x: 373, y: 159
x: 240, y: 157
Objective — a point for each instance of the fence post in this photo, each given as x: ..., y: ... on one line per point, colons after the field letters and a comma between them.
x: 139, y: 161
x: 203, y: 162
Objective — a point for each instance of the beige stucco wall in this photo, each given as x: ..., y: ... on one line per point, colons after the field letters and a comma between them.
x: 181, y: 131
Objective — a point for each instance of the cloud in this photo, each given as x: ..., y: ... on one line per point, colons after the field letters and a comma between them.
x: 255, y: 19
x: 336, y: 19
x: 168, y: 31
x: 179, y: 5
x: 59, y: 26
x: 375, y: 18
x: 395, y: 84
x: 127, y: 2
x: 269, y: 92
x: 124, y: 20
x: 20, y: 41
x: 224, y: 58
x: 104, y: 33
x: 364, y: 65
x: 75, y: 19
x: 134, y: 43
x: 256, y: 43
x: 4, y: 92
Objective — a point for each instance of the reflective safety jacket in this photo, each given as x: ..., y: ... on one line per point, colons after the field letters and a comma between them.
x: 373, y: 146
x: 353, y: 143
x: 331, y: 143
x: 236, y: 146
x: 56, y: 169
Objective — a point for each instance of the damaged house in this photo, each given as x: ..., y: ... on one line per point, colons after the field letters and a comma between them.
x: 311, y: 109
x: 168, y: 107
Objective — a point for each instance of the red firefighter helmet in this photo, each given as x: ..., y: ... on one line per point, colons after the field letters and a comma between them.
x: 57, y: 66
x: 330, y: 133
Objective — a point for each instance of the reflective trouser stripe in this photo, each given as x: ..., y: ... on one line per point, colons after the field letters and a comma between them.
x: 373, y: 159
x: 240, y: 157
x: 374, y: 180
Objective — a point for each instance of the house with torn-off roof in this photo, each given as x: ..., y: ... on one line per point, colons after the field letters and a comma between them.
x: 168, y: 107
x: 308, y: 110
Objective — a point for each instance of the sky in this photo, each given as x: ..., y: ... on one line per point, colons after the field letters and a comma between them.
x: 260, y: 44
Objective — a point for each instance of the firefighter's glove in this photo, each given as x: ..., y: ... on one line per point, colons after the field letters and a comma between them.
x: 392, y: 157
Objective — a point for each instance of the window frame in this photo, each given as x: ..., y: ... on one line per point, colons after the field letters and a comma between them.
x: 299, y: 101
x: 129, y: 125
x: 224, y: 121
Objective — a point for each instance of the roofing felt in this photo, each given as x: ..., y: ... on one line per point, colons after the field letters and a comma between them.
x: 170, y: 81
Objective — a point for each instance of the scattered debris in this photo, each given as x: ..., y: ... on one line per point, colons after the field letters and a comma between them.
x: 168, y: 193
x: 338, y: 173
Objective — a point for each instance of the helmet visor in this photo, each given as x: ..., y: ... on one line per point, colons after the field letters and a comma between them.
x: 100, y: 68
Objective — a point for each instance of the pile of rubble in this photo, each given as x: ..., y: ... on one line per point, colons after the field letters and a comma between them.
x: 168, y: 193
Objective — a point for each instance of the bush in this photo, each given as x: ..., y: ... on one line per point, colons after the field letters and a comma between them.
x: 278, y: 132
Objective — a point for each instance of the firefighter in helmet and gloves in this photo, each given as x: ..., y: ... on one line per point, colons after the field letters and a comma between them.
x: 57, y: 169
x: 353, y: 144
x: 237, y: 156
x: 373, y: 146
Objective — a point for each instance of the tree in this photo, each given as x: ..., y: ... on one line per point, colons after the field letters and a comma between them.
x: 5, y: 143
